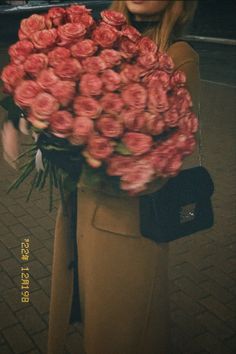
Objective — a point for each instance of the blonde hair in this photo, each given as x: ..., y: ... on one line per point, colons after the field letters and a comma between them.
x: 173, y: 22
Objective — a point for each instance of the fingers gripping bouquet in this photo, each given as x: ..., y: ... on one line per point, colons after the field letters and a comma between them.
x: 102, y: 94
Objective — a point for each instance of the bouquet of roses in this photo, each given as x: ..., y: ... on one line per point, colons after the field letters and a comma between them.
x: 100, y: 95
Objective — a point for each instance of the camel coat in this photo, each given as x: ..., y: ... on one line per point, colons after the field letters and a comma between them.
x: 122, y: 275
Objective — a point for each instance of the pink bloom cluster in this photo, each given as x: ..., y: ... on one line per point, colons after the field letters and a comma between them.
x: 103, y: 86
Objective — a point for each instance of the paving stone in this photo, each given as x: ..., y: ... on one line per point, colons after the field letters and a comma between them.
x: 5, y: 282
x: 11, y: 266
x: 3, y: 229
x: 30, y: 320
x: 74, y: 343
x: 9, y: 240
x: 41, y: 340
x: 33, y: 284
x: 40, y: 233
x: 45, y: 284
x: 220, y: 277
x: 44, y: 256
x: 4, y: 253
x: 5, y: 349
x: 18, y: 339
x: 7, y: 316
x: 231, y: 343
x: 37, y: 270
x: 13, y: 298
x: 19, y: 230
x: 40, y: 301
x: 17, y: 210
x: 8, y: 219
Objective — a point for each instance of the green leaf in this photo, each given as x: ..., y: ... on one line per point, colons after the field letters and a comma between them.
x: 122, y: 149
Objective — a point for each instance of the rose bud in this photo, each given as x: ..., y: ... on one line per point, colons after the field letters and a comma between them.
x: 83, y: 49
x: 118, y: 164
x: 58, y: 55
x: 26, y: 92
x: 70, y: 32
x: 32, y: 24
x: 105, y: 35
x: 93, y: 65
x: 12, y: 75
x: 20, y: 51
x: 56, y: 16
x: 82, y: 129
x: 131, y: 33
x: 113, y: 18
x: 64, y: 91
x: 166, y: 63
x: 61, y: 123
x: 47, y: 78
x: 135, y: 96
x: 87, y: 107
x: 99, y: 147
x: 35, y: 63
x: 146, y: 45
x: 111, y: 57
x: 111, y: 80
x: 90, y: 85
x: 69, y: 69
x: 112, y: 103
x: 137, y: 143
x: 44, y: 105
x: 44, y: 39
x: 109, y: 126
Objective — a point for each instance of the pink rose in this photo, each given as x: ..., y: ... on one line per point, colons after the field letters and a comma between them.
x: 146, y: 45
x: 111, y: 57
x: 86, y: 20
x: 25, y: 93
x: 135, y: 121
x: 44, y: 39
x: 109, y: 126
x: 44, y: 105
x: 70, y: 32
x: 135, y: 180
x: 56, y: 16
x: 82, y: 128
x: 148, y: 61
x: 74, y: 12
x: 64, y: 91
x: 58, y: 55
x: 157, y: 100
x: 69, y: 69
x: 189, y: 123
x: 105, y: 35
x: 173, y: 166
x: 178, y: 78
x: 93, y: 65
x: 113, y: 18
x: 131, y: 73
x: 90, y: 85
x: 135, y: 96
x: 166, y: 63
x: 83, y: 49
x: 155, y: 124
x: 131, y: 33
x: 87, y: 107
x: 35, y: 63
x: 111, y: 80
x: 47, y: 78
x: 184, y: 100
x: 137, y: 143
x: 112, y: 103
x: 32, y: 24
x: 61, y: 123
x: 159, y: 77
x: 128, y: 48
x: 99, y: 147
x: 171, y: 117
x: 20, y: 51
x: 119, y: 165
x: 12, y: 75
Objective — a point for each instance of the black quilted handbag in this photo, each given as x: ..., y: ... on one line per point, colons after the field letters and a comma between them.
x: 181, y: 208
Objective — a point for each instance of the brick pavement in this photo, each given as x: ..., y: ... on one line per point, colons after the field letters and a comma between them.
x: 202, y: 268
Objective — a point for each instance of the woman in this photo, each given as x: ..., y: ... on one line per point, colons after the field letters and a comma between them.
x: 123, y: 276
